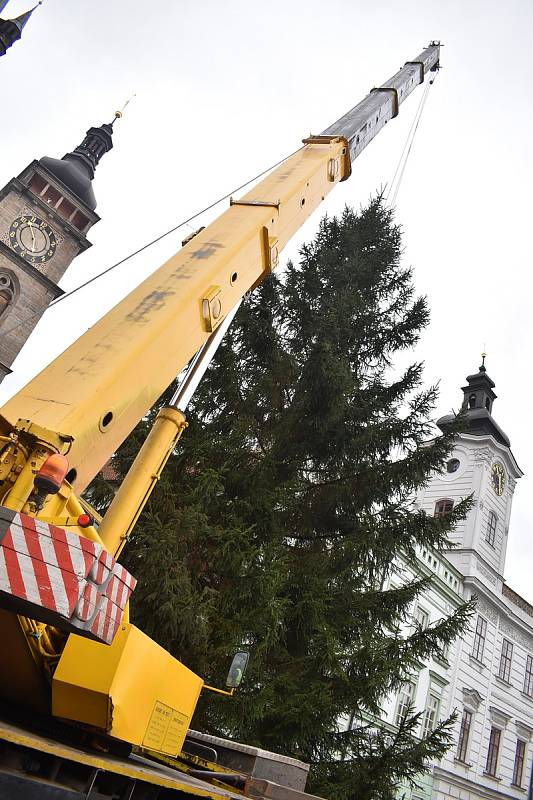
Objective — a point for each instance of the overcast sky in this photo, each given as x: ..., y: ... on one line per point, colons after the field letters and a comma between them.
x: 226, y: 88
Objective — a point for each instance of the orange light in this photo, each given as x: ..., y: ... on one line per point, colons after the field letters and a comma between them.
x: 84, y: 520
x: 52, y: 474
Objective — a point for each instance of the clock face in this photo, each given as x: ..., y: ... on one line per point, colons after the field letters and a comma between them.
x: 497, y: 477
x: 32, y: 238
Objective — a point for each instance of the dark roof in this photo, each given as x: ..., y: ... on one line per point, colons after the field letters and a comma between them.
x: 480, y: 423
x: 478, y: 398
x: 76, y: 169
x: 73, y: 176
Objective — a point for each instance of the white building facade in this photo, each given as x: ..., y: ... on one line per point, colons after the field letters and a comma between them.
x: 487, y: 675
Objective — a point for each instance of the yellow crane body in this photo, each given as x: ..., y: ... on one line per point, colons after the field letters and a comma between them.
x: 133, y: 690
x: 83, y: 405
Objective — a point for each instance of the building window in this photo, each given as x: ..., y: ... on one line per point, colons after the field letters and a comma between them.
x: 452, y: 465
x: 37, y: 183
x: 493, y: 752
x: 421, y: 617
x: 464, y: 735
x: 491, y: 528
x: 443, y: 507
x: 65, y: 208
x: 405, y: 700
x: 430, y: 715
x: 51, y: 195
x: 479, y: 639
x: 80, y: 221
x: 528, y: 677
x: 504, y: 672
x: 519, y: 757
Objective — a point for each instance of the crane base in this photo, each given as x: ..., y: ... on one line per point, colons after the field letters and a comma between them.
x: 133, y: 690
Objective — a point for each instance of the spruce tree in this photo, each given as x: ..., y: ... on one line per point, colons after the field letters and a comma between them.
x: 286, y: 504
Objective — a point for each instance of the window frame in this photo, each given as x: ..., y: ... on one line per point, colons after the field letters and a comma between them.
x: 431, y: 713
x: 506, y: 661
x: 493, y: 751
x: 528, y: 676
x: 401, y: 707
x: 425, y: 617
x: 490, y: 536
x: 464, y: 735
x: 438, y: 512
x: 479, y: 637
x: 519, y: 759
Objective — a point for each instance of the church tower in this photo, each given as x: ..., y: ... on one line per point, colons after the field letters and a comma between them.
x: 45, y: 215
x: 481, y: 465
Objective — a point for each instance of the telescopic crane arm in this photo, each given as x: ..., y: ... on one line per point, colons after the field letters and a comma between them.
x: 102, y: 385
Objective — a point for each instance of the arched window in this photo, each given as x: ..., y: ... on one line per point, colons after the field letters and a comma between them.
x: 472, y: 401
x: 8, y: 292
x: 491, y: 528
x: 443, y: 507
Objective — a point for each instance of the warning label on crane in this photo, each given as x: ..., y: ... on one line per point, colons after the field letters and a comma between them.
x: 166, y: 730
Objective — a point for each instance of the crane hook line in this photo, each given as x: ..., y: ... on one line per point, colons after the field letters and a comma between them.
x: 148, y: 244
x: 400, y: 177
x: 408, y: 146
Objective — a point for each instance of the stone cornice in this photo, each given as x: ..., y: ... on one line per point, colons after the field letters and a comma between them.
x: 498, y: 717
x: 438, y: 679
x: 38, y: 166
x: 471, y: 698
x: 504, y: 453
x: 15, y: 185
x: 477, y: 789
x: 524, y: 731
x: 499, y: 605
x: 421, y: 567
x: 471, y: 551
x: 30, y: 270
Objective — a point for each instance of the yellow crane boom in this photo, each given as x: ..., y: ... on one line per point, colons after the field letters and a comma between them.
x: 62, y: 594
x: 101, y: 386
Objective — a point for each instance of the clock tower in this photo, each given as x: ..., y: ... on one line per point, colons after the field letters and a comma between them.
x: 45, y: 215
x: 481, y: 465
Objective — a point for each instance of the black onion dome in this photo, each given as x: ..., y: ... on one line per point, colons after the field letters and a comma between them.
x: 478, y: 398
x: 76, y: 169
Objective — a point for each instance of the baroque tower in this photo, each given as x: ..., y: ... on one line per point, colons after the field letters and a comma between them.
x: 45, y: 215
x: 481, y: 465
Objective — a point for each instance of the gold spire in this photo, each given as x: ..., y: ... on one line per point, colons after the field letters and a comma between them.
x: 118, y: 114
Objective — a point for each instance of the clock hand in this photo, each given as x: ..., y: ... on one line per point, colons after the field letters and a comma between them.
x: 32, y: 237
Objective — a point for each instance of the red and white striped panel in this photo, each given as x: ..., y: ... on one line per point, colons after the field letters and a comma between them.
x: 60, y: 578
